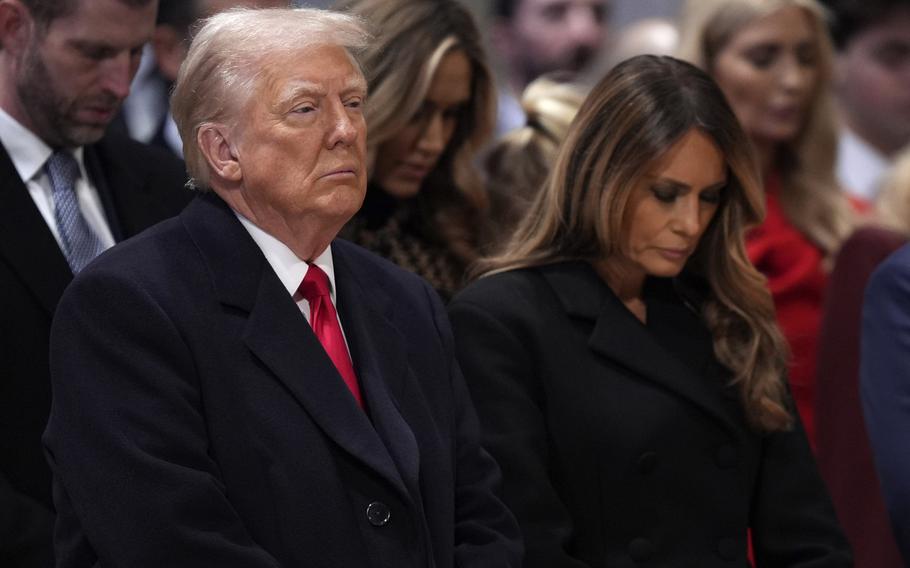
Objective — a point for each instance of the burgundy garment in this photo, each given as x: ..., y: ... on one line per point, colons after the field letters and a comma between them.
x: 843, y: 452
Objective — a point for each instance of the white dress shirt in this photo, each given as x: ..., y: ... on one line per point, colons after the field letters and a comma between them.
x: 289, y: 268
x: 860, y: 167
x: 29, y: 154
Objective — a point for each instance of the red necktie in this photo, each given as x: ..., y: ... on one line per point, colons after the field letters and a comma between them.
x: 324, y: 321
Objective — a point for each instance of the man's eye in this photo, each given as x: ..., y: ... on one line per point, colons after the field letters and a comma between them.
x: 354, y: 103
x: 97, y: 53
x: 304, y: 109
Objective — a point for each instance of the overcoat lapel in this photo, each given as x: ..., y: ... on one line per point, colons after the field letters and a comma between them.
x: 278, y: 334
x: 26, y: 242
x: 620, y: 337
x: 379, y: 352
x: 128, y: 186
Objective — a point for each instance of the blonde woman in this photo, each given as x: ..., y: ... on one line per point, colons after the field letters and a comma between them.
x: 518, y: 163
x: 430, y: 108
x: 622, y: 351
x: 772, y: 59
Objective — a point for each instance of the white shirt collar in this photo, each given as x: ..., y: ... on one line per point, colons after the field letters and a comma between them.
x: 289, y: 268
x: 27, y: 152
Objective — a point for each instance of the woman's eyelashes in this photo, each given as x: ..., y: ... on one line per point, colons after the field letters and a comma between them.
x: 669, y: 194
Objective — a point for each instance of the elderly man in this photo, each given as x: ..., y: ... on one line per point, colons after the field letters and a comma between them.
x: 67, y: 192
x: 236, y: 388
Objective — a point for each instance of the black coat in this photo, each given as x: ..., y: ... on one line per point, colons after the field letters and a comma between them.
x: 138, y: 186
x: 619, y: 442
x: 197, y: 420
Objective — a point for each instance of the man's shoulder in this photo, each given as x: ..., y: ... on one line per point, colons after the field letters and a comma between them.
x: 892, y: 278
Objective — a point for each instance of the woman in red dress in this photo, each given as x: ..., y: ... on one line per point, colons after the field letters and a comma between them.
x: 772, y: 59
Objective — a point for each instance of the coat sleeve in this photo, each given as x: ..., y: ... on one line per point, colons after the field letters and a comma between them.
x: 500, y: 374
x: 885, y: 386
x: 793, y: 520
x: 486, y: 532
x: 134, y: 484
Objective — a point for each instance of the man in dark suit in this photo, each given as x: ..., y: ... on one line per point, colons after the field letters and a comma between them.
x: 234, y: 387
x: 67, y: 192
x: 885, y: 386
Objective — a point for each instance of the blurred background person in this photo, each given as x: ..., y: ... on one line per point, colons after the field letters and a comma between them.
x: 146, y: 116
x: 534, y: 37
x: 773, y: 60
x: 430, y: 109
x: 648, y: 36
x: 872, y: 84
x: 843, y: 449
x: 518, y: 163
x: 68, y: 191
x: 623, y: 354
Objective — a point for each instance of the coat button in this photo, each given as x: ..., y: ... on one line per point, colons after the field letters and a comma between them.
x: 727, y: 456
x: 641, y: 549
x: 728, y: 549
x: 647, y: 463
x: 378, y: 513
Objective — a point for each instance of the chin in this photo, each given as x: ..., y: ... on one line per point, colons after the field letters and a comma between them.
x: 402, y: 189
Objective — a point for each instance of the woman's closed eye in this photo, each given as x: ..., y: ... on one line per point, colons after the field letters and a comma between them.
x: 665, y: 194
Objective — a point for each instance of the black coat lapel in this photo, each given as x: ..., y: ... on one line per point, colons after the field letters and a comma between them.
x: 379, y: 352
x: 27, y: 243
x: 620, y: 337
x: 101, y: 179
x: 278, y: 334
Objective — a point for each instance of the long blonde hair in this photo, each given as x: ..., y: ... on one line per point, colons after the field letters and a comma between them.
x: 811, y: 198
x: 411, y: 39
x: 518, y: 163
x: 627, y: 123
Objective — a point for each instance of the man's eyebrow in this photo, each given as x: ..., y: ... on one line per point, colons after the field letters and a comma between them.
x: 96, y: 45
x: 297, y: 88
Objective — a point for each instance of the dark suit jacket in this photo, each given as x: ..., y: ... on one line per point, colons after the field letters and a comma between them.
x: 620, y: 443
x: 885, y: 385
x: 138, y: 186
x: 197, y: 421
x: 842, y: 444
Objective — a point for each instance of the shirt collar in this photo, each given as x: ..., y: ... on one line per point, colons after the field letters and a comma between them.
x: 289, y: 268
x: 27, y: 152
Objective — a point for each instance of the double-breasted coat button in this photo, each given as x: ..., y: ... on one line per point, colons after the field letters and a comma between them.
x: 727, y: 549
x: 641, y: 549
x: 647, y: 462
x: 378, y: 513
x: 726, y: 456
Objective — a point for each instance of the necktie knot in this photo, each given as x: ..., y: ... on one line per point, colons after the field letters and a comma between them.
x: 315, y: 284
x: 63, y: 170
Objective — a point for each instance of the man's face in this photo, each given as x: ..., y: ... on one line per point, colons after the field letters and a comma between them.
x: 874, y: 82
x: 301, y: 141
x: 73, y: 76
x: 554, y: 35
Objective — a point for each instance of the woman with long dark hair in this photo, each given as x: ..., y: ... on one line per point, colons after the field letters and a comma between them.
x: 623, y: 352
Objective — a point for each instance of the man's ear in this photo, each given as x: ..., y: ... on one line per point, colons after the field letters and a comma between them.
x: 215, y: 143
x: 16, y: 26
